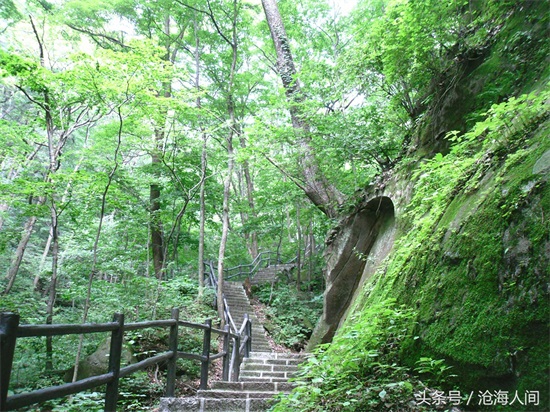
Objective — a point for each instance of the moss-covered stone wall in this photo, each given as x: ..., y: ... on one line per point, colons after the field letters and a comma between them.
x: 470, y: 236
x: 472, y: 251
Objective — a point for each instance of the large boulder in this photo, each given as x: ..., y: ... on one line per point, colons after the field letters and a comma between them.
x: 98, y: 362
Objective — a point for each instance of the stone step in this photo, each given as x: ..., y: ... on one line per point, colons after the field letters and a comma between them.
x: 196, y: 404
x: 247, y: 378
x: 265, y: 364
x: 278, y: 360
x: 266, y: 367
x: 240, y: 311
x: 270, y: 273
x: 277, y: 355
x: 253, y: 375
x: 270, y: 387
x: 229, y: 394
x: 240, y: 305
x: 263, y: 375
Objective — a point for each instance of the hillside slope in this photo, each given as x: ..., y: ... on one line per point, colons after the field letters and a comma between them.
x: 456, y: 235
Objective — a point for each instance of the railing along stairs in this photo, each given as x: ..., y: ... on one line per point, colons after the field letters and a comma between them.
x: 262, y: 260
x: 244, y: 332
x: 237, y: 344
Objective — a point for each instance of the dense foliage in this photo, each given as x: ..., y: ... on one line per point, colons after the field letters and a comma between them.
x: 360, y: 369
x: 139, y: 139
x: 290, y: 314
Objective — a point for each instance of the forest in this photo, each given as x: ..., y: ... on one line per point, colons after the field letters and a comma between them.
x: 396, y: 150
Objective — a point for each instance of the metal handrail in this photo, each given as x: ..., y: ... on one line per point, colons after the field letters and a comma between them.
x: 263, y: 259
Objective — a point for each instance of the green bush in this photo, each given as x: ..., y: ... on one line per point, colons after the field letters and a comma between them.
x: 291, y: 314
x: 360, y: 369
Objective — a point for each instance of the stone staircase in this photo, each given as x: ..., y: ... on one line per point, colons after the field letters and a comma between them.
x: 262, y: 375
x: 239, y: 305
x: 269, y: 274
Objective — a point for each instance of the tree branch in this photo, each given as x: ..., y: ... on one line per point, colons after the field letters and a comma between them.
x: 284, y: 172
x: 93, y: 35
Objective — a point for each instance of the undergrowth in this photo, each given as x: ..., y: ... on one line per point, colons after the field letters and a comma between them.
x: 360, y: 369
x: 139, y: 391
x: 290, y: 314
x: 375, y: 362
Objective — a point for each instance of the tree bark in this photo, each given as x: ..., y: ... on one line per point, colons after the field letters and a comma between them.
x: 310, y: 251
x: 317, y: 188
x: 53, y: 284
x: 202, y: 217
x: 298, y: 248
x: 156, y: 225
x: 230, y: 155
x: 249, y: 188
x: 43, y: 260
x: 202, y: 190
x: 157, y: 235
x: 225, y: 224
x: 56, y: 143
x: 19, y: 253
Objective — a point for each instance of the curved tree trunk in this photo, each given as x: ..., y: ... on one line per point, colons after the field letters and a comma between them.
x: 19, y: 253
x: 317, y: 188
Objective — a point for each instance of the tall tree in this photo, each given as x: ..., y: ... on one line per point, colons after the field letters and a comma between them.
x: 204, y: 158
x: 62, y: 116
x: 164, y: 23
x: 247, y: 192
x: 233, y: 129
x: 315, y: 185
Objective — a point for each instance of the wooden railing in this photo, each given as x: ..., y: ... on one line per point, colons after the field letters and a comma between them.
x: 212, y: 282
x: 236, y: 344
x: 264, y: 259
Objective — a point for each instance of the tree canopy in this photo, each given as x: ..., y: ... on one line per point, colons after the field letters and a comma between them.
x: 140, y: 139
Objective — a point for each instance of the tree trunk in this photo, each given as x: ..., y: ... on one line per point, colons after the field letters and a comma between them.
x: 202, y: 217
x: 49, y: 241
x: 53, y: 285
x: 19, y: 253
x: 298, y: 248
x: 225, y: 225
x: 43, y: 260
x: 317, y: 188
x: 157, y: 236
x: 230, y: 156
x: 202, y: 192
x: 249, y: 185
x: 310, y: 252
x: 156, y: 225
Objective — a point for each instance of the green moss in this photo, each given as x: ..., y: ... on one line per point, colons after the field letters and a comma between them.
x: 473, y: 261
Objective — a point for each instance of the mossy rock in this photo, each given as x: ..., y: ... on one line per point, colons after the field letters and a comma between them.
x: 472, y: 258
x: 98, y: 362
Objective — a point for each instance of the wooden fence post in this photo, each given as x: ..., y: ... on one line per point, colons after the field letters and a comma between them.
x: 235, y: 359
x: 248, y: 333
x: 173, y: 347
x: 226, y: 358
x: 115, y: 354
x: 9, y: 323
x: 205, y: 354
